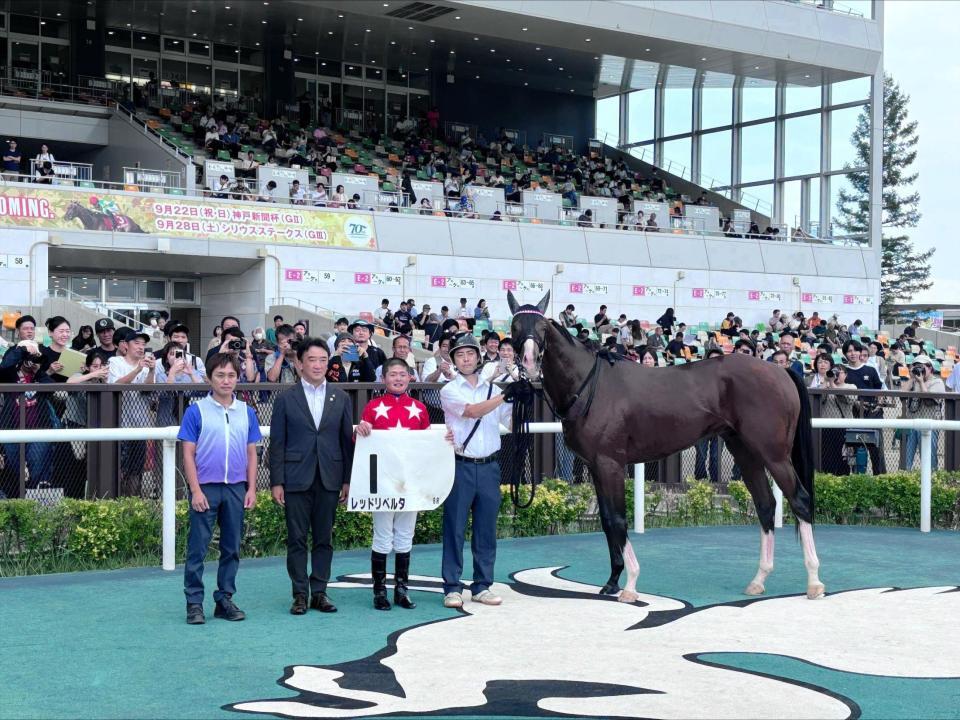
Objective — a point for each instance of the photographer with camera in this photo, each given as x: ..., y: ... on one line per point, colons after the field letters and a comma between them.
x: 173, y: 368
x: 235, y: 345
x: 828, y: 376
x: 922, y: 380
x: 281, y: 364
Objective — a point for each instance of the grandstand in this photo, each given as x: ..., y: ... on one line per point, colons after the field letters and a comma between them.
x: 612, y: 153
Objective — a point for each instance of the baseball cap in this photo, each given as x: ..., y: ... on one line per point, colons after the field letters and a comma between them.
x: 922, y: 360
x: 126, y: 334
x: 103, y: 324
x: 179, y: 327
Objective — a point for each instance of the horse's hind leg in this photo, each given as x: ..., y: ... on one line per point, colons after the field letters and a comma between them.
x: 755, y: 478
x: 786, y: 477
x: 608, y: 478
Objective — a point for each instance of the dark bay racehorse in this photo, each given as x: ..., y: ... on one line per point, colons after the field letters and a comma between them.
x: 616, y: 413
x: 100, y: 221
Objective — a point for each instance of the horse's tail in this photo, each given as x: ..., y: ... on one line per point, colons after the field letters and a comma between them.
x: 803, y: 504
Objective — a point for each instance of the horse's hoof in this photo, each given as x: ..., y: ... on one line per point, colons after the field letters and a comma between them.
x: 627, y: 596
x: 815, y: 591
x: 754, y: 588
x: 609, y: 589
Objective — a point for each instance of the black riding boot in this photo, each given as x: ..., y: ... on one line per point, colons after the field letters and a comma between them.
x: 401, y: 576
x: 378, y: 565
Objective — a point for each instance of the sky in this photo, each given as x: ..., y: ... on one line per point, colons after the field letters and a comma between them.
x: 920, y: 51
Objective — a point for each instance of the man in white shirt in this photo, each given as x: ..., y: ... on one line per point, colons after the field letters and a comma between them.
x: 463, y: 311
x: 473, y: 409
x: 266, y: 192
x: 381, y: 312
x: 132, y: 366
x: 402, y: 351
x: 297, y: 196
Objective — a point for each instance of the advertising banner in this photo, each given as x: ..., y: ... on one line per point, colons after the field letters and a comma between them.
x: 95, y: 209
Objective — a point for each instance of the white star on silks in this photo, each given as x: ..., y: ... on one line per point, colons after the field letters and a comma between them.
x: 382, y: 410
x: 413, y: 410
x: 399, y: 426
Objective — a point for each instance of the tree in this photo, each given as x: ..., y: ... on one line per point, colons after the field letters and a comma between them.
x: 903, y: 270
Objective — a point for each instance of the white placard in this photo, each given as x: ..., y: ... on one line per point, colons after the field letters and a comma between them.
x: 395, y: 479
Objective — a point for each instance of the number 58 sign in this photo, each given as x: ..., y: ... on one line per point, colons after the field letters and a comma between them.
x: 14, y: 262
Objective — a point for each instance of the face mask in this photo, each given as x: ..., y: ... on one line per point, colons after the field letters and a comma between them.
x: 258, y: 336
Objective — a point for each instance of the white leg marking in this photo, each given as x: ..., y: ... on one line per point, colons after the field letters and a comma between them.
x: 756, y: 586
x: 629, y: 592
x: 815, y: 588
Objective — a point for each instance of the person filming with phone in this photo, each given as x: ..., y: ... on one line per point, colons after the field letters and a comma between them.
x: 348, y: 365
x: 922, y: 380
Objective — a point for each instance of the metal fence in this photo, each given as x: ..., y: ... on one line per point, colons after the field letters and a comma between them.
x: 48, y: 471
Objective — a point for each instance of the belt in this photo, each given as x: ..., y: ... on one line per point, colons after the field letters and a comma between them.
x: 478, y: 461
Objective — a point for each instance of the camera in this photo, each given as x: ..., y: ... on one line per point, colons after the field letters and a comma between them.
x: 237, y: 344
x: 917, y: 370
x: 832, y: 374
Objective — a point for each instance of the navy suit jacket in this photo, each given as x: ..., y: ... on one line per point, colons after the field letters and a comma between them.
x: 298, y: 448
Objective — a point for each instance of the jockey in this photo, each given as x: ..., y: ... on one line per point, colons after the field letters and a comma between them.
x: 108, y: 207
x: 393, y: 530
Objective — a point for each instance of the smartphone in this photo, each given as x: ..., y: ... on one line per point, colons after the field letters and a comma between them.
x: 178, y: 354
x: 351, y: 354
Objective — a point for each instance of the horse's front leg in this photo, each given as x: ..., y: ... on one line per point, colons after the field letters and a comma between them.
x: 608, y: 478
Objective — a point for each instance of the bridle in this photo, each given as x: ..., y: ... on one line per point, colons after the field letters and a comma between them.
x: 590, y: 379
x: 519, y: 342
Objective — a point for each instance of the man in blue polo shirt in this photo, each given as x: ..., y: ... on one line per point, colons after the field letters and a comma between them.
x: 219, y: 435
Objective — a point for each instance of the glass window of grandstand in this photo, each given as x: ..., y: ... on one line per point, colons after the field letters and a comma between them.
x: 184, y: 291
x: 608, y: 120
x: 121, y: 289
x: 678, y: 101
x: 759, y: 100
x: 756, y: 152
x: 85, y: 287
x: 716, y: 101
x: 801, y: 149
x: 676, y: 157
x: 640, y: 111
x: 715, y: 150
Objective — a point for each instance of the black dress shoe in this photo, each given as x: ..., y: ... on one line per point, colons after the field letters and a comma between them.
x: 299, y: 606
x: 195, y: 614
x: 320, y: 601
x: 227, y: 610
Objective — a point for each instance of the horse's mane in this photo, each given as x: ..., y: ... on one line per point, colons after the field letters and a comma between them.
x: 601, y: 351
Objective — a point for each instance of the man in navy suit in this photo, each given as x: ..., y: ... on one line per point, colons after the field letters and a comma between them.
x: 311, y: 455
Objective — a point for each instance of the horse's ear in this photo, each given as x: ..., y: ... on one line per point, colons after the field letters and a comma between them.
x: 512, y: 302
x: 542, y: 305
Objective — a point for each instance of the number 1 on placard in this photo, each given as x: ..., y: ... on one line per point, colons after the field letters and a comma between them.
x: 373, y: 474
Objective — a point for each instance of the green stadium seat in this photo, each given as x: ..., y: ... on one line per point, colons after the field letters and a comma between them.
x: 389, y: 186
x: 224, y: 155
x: 176, y: 191
x: 86, y: 184
x: 186, y: 129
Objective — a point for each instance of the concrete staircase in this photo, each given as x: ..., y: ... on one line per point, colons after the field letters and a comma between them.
x: 322, y: 320
x: 79, y: 312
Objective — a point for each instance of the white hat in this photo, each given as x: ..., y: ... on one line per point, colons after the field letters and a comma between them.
x: 921, y: 360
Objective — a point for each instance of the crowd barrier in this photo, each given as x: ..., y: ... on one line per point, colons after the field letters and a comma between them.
x: 168, y: 437
x: 112, y: 468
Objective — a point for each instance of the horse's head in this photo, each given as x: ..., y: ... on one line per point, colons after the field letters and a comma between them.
x: 527, y: 330
x: 72, y: 211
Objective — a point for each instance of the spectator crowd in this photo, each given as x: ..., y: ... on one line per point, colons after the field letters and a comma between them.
x: 828, y: 354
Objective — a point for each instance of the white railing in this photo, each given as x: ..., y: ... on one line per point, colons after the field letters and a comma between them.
x: 168, y: 437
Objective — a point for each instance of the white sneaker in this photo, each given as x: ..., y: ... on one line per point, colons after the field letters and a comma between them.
x: 486, y: 597
x: 453, y: 600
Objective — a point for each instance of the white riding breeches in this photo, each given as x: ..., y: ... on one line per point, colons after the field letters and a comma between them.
x: 393, y: 531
